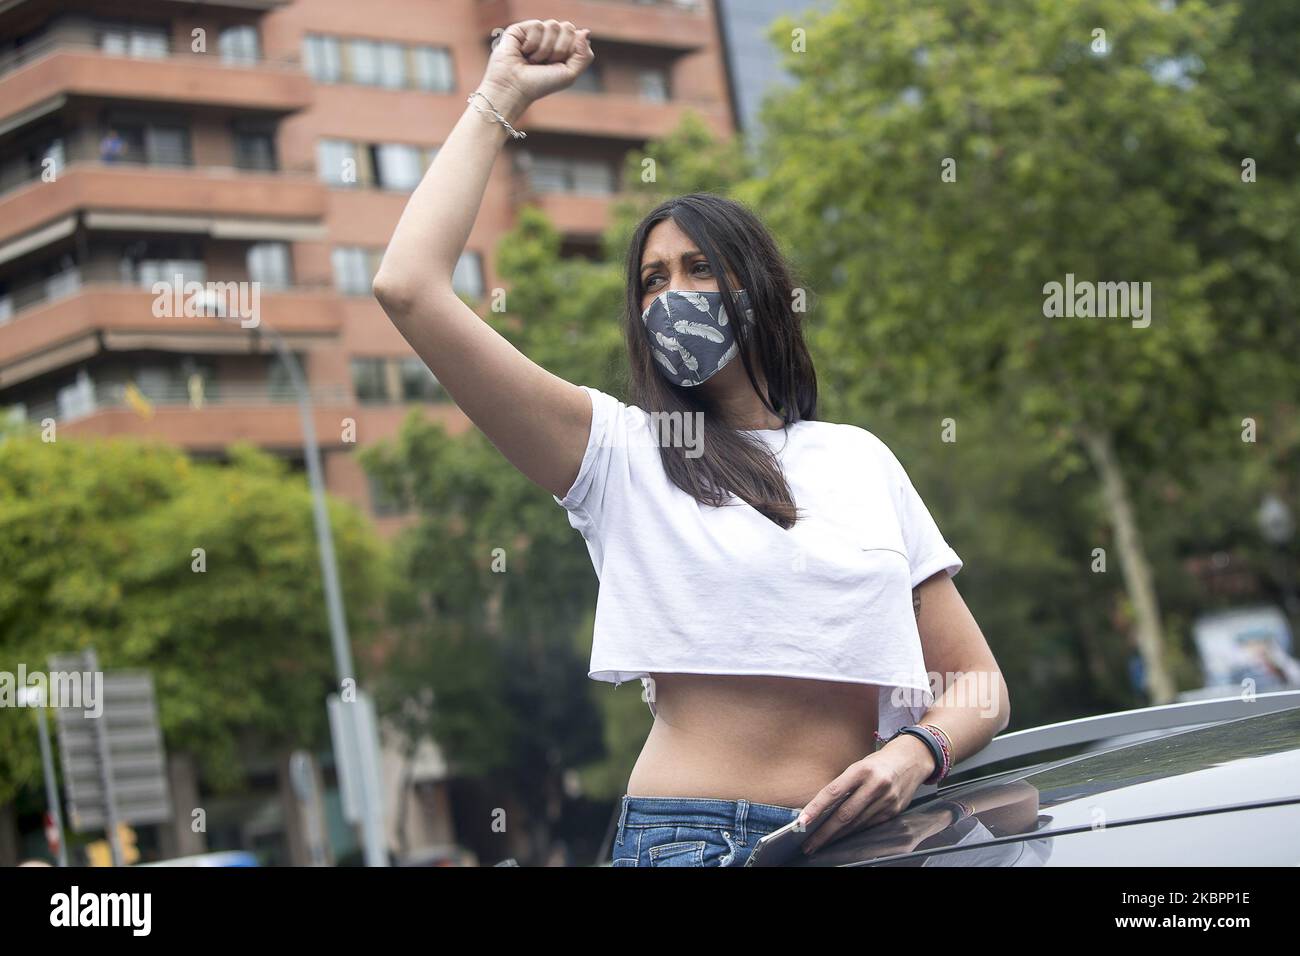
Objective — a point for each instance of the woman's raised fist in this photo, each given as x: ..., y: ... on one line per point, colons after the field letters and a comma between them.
x: 532, y: 58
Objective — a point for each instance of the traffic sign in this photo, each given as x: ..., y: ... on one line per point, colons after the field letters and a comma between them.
x: 122, y: 749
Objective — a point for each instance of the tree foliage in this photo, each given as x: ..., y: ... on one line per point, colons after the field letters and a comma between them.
x: 98, y: 543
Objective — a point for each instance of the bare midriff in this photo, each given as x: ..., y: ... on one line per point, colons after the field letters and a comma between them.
x: 775, y: 740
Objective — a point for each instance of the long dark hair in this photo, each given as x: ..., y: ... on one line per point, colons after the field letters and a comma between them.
x: 729, y: 235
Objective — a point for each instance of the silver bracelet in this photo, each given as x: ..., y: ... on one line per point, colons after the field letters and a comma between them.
x: 517, y: 134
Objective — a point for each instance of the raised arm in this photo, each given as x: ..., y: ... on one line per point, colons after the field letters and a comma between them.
x: 537, y: 420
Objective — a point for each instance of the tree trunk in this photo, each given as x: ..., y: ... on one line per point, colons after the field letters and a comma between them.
x: 177, y: 836
x: 1138, y: 582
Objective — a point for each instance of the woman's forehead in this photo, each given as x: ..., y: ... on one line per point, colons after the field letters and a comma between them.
x: 667, y: 248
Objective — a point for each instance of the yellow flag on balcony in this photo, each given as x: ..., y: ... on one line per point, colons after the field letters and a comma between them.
x: 135, y: 398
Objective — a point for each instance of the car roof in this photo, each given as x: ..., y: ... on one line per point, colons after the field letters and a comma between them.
x: 1246, y: 762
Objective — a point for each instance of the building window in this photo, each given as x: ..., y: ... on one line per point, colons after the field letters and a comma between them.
x: 392, y: 66
x: 593, y: 178
x: 370, y: 380
x: 254, y: 150
x: 128, y: 40
x: 382, y: 381
x: 147, y: 141
x: 363, y: 61
x: 589, y: 81
x: 77, y: 399
x: 148, y: 271
x: 161, y: 260
x: 389, y: 64
x: 239, y: 44
x: 321, y: 58
x: 653, y: 85
x: 418, y: 383
x: 337, y: 160
x: 270, y: 264
x: 548, y: 174
x: 167, y: 146
x: 354, y: 268
x: 398, y: 166
x: 432, y: 69
x: 468, y: 275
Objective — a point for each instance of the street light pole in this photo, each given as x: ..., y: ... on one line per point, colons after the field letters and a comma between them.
x: 371, y: 821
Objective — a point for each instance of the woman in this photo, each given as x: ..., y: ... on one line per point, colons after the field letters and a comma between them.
x: 775, y: 581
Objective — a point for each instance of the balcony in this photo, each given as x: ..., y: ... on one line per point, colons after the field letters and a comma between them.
x: 572, y: 214
x: 620, y: 116
x: 108, y: 317
x: 668, y: 25
x: 164, y: 6
x: 224, y: 414
x: 189, y: 79
x: 202, y: 191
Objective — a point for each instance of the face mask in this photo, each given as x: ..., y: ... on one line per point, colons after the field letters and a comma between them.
x: 691, y: 335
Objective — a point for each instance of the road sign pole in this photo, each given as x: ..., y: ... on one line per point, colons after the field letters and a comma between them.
x: 51, y: 788
x: 106, y: 773
x: 33, y: 697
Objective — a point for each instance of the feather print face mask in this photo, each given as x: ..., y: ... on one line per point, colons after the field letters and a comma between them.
x: 691, y: 335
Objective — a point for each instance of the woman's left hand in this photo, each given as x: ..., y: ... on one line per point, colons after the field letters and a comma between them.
x: 879, y: 786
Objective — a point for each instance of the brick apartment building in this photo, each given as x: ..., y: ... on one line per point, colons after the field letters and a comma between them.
x: 276, y: 142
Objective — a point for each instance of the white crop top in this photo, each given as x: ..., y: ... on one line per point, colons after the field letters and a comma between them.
x: 692, y: 588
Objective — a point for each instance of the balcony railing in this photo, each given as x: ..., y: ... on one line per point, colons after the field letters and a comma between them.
x: 81, y: 156
x: 212, y: 394
x: 39, y: 49
x: 10, y: 311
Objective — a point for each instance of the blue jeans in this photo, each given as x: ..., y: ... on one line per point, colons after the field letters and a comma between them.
x: 693, y: 831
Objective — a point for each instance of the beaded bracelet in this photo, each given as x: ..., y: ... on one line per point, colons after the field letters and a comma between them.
x: 517, y: 134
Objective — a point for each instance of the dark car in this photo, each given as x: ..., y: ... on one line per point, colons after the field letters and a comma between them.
x: 1209, y: 783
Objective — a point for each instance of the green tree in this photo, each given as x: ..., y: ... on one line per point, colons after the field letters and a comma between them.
x: 937, y: 165
x: 98, y: 540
